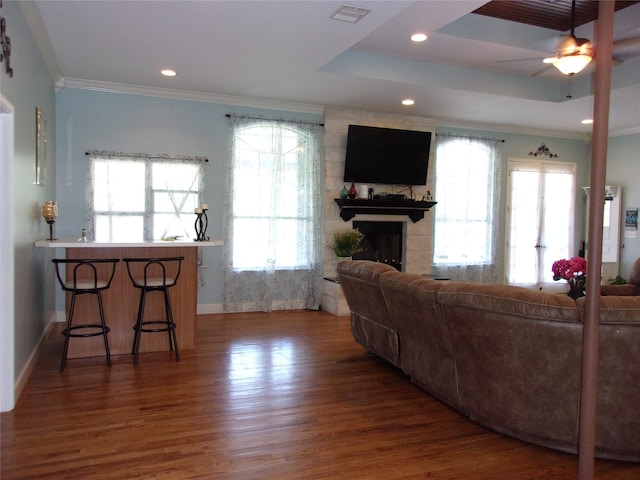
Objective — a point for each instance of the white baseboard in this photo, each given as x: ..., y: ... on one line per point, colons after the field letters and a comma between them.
x: 21, y: 381
x: 209, y: 308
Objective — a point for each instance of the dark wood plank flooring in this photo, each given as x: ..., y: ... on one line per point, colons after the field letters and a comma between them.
x: 286, y: 395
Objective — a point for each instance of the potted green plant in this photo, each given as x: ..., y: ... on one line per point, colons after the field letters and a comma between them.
x: 347, y: 242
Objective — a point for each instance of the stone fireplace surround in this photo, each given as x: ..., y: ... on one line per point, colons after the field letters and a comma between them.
x: 417, y: 243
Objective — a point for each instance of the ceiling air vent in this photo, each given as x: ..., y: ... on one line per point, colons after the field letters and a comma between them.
x: 350, y: 14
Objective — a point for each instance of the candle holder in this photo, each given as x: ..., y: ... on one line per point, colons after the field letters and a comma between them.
x: 202, y: 222
x: 50, y: 213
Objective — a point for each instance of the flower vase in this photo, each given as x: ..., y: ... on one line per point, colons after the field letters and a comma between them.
x: 576, y: 288
x: 352, y: 191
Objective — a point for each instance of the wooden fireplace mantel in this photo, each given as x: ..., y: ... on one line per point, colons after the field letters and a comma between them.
x: 350, y: 207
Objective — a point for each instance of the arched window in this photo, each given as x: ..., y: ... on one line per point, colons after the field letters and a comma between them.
x: 273, y: 228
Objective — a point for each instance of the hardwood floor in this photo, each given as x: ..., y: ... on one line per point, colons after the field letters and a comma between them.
x: 286, y: 395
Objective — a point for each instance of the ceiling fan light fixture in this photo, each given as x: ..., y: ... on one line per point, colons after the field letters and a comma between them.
x: 572, y: 64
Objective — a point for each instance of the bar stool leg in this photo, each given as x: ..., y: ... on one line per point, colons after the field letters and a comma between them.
x: 67, y: 331
x: 138, y: 327
x: 105, y: 330
x: 171, y: 324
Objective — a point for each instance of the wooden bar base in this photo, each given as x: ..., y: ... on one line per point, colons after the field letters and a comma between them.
x: 121, y: 303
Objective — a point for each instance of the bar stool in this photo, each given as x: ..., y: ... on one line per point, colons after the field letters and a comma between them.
x: 85, y: 279
x: 154, y: 275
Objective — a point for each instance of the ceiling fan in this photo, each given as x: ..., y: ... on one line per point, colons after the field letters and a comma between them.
x: 573, y: 54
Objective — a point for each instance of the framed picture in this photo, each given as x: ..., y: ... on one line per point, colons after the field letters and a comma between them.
x: 41, y: 147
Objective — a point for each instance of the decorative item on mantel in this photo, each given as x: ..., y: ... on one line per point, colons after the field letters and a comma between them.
x: 353, y: 193
x: 50, y: 213
x: 344, y: 193
x: 574, y: 271
x: 202, y: 222
x: 347, y: 242
x: 543, y: 150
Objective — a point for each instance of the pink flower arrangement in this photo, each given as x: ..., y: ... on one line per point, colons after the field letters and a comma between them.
x: 572, y: 269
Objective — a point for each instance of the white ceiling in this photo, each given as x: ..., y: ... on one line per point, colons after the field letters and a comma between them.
x: 290, y: 53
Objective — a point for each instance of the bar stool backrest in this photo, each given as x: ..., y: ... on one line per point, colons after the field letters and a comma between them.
x: 160, y: 273
x: 87, y: 275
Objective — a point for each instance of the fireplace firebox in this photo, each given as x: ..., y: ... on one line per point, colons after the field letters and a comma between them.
x: 382, y: 242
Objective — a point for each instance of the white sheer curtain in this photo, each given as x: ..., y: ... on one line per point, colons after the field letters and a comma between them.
x: 467, y: 215
x: 272, y: 227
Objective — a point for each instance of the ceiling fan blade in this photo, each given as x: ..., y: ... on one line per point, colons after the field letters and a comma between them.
x: 541, y: 71
x: 626, y: 43
x: 519, y: 60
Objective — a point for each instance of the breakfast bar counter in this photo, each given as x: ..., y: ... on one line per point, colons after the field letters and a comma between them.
x: 121, y: 299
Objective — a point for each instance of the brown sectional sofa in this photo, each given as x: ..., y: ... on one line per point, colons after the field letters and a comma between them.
x: 506, y: 357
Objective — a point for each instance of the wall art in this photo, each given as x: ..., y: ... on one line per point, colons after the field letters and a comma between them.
x: 41, y: 147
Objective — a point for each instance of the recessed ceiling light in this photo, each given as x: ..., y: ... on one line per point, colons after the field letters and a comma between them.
x: 168, y: 73
x: 419, y: 37
x: 587, y: 121
x: 408, y: 101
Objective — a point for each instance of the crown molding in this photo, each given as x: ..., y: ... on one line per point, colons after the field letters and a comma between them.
x: 108, y: 87
x: 625, y: 131
x: 97, y: 86
x: 444, y: 122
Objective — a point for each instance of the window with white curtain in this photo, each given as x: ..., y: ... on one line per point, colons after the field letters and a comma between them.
x: 273, y: 213
x: 137, y: 197
x: 540, y: 225
x: 466, y: 216
x: 273, y: 228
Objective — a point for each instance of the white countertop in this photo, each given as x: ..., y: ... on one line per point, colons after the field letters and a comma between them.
x: 74, y: 243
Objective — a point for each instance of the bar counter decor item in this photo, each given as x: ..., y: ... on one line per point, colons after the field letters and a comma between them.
x: 202, y: 222
x: 50, y: 213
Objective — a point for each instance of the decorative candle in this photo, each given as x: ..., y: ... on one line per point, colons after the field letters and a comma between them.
x: 49, y: 210
x: 204, y: 206
x: 198, y: 210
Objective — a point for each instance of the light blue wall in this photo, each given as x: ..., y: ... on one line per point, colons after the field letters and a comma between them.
x: 29, y: 87
x: 90, y: 120
x: 623, y: 169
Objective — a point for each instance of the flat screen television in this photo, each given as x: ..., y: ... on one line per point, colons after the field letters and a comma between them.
x: 387, y: 156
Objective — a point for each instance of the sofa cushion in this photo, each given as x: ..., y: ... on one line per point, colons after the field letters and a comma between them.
x: 510, y: 300
x: 614, y: 310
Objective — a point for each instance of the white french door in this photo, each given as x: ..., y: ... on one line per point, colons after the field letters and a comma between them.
x: 540, y: 219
